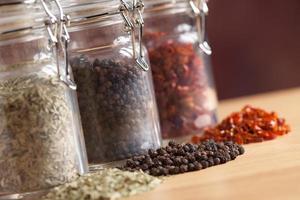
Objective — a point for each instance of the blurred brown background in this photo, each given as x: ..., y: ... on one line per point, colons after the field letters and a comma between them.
x: 256, y: 45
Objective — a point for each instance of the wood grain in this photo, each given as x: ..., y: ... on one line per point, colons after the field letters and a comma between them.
x: 268, y: 170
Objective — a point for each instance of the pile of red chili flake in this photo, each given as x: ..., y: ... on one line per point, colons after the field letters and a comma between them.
x: 247, y: 126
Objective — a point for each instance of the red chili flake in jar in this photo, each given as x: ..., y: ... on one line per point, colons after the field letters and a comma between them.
x: 250, y: 125
x: 185, y: 97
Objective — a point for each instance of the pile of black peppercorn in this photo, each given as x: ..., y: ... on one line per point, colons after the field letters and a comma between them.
x: 116, y: 108
x: 181, y: 158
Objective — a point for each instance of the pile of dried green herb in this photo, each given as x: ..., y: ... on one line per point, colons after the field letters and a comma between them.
x: 36, y: 136
x: 108, y: 184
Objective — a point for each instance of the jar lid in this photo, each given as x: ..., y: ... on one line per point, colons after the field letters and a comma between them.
x: 169, y: 6
x: 69, y: 3
x: 197, y: 8
x: 108, y: 12
x: 152, y: 3
x: 82, y: 9
x: 7, y: 2
x: 20, y: 15
x: 159, y: 2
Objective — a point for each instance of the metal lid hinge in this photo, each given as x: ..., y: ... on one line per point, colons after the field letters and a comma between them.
x: 59, y: 39
x: 134, y: 24
x: 200, y: 10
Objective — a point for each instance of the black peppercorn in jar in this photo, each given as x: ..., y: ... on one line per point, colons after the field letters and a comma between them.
x: 179, y: 57
x: 41, y: 141
x: 115, y: 91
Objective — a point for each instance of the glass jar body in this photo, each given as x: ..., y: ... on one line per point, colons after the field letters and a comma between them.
x: 41, y: 137
x: 182, y: 75
x: 116, y: 97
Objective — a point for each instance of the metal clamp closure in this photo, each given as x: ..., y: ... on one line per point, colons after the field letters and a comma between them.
x: 132, y: 15
x: 51, y: 25
x: 124, y: 10
x: 59, y: 38
x: 200, y: 10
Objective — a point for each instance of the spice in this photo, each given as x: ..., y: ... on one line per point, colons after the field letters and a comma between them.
x: 36, y: 138
x: 185, y: 98
x: 108, y: 184
x: 117, y: 109
x: 181, y: 158
x: 247, y: 126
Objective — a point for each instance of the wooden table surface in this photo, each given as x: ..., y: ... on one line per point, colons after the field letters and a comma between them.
x: 267, y: 171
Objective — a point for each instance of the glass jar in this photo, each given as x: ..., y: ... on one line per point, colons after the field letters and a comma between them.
x: 41, y: 141
x: 178, y: 52
x: 115, y: 91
